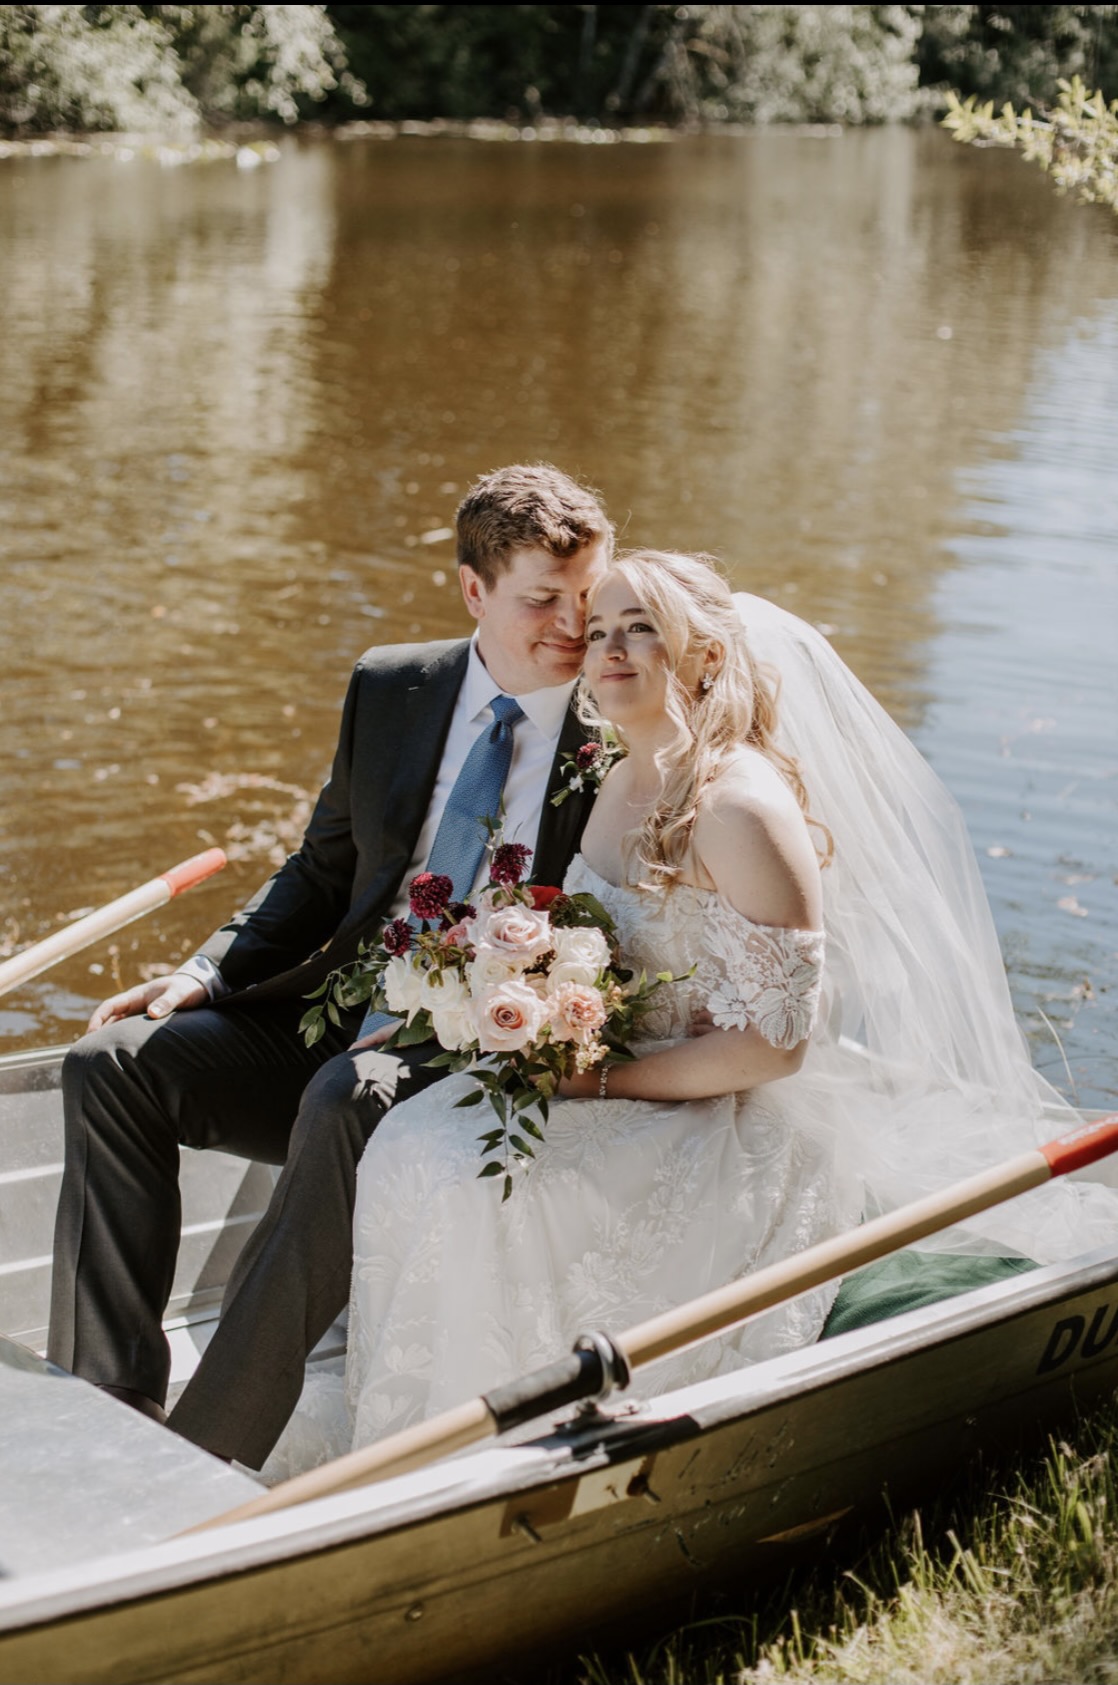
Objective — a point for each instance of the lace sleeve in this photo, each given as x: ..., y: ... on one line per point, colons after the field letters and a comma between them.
x: 771, y: 978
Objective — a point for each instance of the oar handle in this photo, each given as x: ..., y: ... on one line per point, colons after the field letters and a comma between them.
x: 115, y: 914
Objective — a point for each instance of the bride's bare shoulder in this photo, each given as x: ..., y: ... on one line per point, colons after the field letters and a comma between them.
x: 751, y: 841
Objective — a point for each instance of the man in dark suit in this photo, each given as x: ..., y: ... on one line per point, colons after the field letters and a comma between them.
x: 212, y: 1056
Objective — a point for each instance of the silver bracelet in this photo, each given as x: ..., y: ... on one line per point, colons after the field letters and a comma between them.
x: 602, y: 1080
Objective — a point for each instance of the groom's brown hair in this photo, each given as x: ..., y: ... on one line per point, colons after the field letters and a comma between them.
x: 526, y: 507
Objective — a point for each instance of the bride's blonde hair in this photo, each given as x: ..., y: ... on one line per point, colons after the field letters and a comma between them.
x: 691, y: 604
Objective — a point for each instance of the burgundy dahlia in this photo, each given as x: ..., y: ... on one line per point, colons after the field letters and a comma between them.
x: 510, y: 862
x: 397, y: 937
x: 430, y: 895
x: 588, y: 756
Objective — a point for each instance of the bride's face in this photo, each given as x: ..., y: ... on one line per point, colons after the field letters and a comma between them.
x: 627, y: 662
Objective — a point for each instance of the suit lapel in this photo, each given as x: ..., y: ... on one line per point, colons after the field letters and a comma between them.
x: 426, y: 715
x: 561, y: 826
x: 422, y: 722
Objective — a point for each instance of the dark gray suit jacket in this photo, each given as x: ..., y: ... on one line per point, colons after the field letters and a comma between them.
x: 337, y: 888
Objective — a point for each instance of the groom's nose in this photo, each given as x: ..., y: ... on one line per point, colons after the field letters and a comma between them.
x: 570, y: 617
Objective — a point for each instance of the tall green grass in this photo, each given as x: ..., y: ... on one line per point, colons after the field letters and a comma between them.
x: 1012, y: 1577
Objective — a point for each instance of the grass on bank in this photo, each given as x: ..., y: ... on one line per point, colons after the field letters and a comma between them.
x: 1010, y: 1578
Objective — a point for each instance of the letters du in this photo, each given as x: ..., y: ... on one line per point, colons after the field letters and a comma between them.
x: 1072, y: 1334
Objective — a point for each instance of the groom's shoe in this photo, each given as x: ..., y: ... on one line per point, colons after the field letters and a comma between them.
x: 137, y: 1401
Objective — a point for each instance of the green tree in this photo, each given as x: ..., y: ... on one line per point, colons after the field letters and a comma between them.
x: 60, y: 68
x: 159, y: 68
x: 1017, y: 53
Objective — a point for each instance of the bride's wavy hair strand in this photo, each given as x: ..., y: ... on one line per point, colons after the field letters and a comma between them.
x: 691, y: 604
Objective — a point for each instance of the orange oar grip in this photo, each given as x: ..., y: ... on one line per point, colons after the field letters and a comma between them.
x: 1082, y: 1146
x: 193, y: 871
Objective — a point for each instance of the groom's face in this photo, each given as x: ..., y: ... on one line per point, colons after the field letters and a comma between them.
x: 532, y: 619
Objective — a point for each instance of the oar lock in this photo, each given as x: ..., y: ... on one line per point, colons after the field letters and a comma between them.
x: 595, y: 1367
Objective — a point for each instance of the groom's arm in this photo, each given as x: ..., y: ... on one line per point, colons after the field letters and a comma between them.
x: 301, y: 905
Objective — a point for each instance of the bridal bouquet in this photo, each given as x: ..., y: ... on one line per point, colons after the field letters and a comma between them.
x: 523, y: 987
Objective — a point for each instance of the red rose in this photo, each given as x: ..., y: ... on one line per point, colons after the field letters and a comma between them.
x: 430, y: 895
x: 542, y: 896
x: 588, y: 756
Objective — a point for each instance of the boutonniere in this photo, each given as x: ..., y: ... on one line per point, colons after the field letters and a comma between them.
x: 587, y: 767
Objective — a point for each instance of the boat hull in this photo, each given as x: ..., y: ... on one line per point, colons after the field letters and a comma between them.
x: 537, y: 1545
x: 506, y: 1551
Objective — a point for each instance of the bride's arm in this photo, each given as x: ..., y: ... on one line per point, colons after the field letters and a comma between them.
x: 750, y: 844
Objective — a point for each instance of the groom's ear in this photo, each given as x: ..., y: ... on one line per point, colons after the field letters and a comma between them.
x: 473, y: 591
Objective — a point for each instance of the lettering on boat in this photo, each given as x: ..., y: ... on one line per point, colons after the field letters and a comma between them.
x: 1074, y: 1336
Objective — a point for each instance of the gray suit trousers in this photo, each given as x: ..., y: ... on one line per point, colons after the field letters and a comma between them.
x: 241, y: 1081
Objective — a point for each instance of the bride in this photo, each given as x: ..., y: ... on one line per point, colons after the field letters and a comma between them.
x: 844, y: 1040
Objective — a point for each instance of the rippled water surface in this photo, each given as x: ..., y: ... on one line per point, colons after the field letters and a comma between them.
x: 877, y: 374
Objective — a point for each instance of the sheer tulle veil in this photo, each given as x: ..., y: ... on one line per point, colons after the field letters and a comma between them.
x: 918, y: 1073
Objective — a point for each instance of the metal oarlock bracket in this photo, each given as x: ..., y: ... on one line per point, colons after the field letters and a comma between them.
x: 615, y: 1365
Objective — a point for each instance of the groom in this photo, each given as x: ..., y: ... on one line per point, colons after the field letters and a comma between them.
x: 212, y: 1056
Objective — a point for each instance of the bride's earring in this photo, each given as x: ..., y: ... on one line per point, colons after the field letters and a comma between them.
x: 705, y: 683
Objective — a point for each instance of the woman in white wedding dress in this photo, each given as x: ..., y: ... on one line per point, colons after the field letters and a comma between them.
x: 838, y: 906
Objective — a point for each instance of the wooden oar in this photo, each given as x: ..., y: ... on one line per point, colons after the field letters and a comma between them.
x: 599, y: 1362
x: 155, y: 893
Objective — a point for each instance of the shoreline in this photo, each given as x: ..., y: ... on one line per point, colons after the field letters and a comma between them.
x: 252, y: 144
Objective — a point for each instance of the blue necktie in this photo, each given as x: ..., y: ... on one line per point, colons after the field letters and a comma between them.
x: 476, y: 796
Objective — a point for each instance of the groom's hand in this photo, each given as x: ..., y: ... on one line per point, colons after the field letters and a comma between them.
x: 702, y: 1023
x: 159, y: 998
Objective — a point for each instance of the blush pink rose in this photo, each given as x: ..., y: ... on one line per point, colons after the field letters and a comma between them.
x: 575, y: 1012
x: 508, y: 1017
x: 518, y: 933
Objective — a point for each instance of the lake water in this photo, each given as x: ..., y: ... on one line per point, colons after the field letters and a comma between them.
x: 877, y: 373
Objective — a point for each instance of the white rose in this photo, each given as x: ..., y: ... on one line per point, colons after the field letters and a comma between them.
x: 403, y: 986
x: 488, y: 969
x: 447, y: 999
x: 572, y: 971
x: 508, y: 1018
x: 516, y: 932
x: 585, y: 947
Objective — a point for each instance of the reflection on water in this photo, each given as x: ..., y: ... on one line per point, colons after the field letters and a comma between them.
x: 237, y: 408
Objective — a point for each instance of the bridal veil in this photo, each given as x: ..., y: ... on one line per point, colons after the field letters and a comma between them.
x: 917, y: 1073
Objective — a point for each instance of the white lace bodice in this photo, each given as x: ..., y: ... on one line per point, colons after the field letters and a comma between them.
x: 745, y: 973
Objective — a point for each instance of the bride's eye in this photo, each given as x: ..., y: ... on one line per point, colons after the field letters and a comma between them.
x: 592, y: 637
